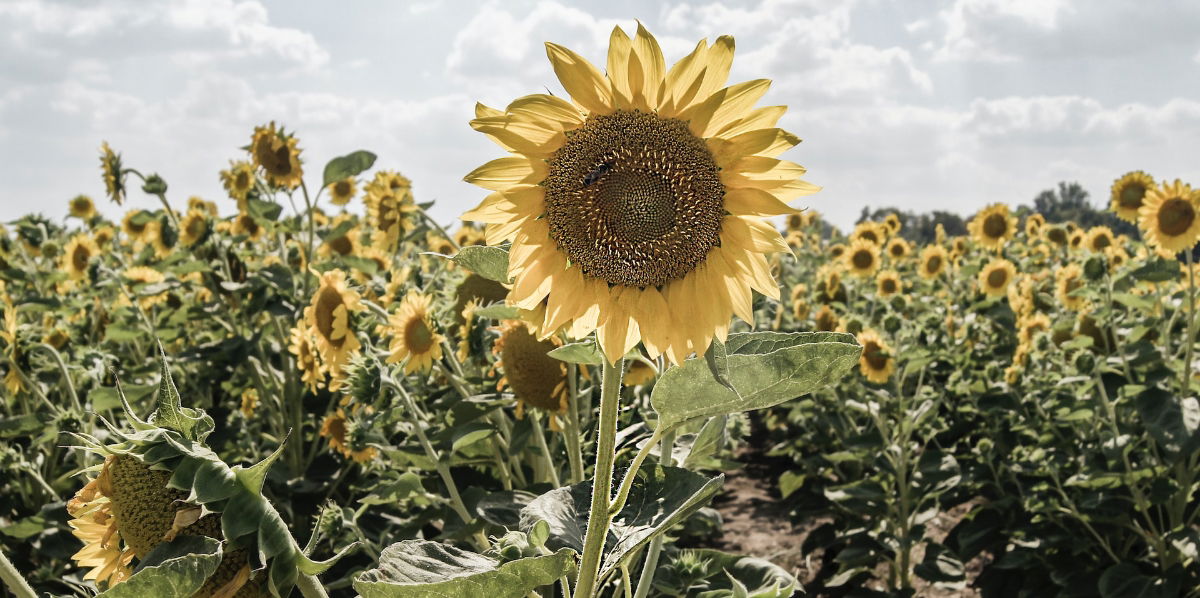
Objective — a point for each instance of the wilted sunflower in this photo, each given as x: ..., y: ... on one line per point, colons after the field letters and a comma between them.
x: 872, y: 232
x: 876, y: 362
x: 1128, y: 194
x: 639, y: 210
x: 1099, y: 238
x: 862, y: 259
x: 1034, y: 223
x: 79, y: 251
x: 888, y: 283
x: 194, y: 227
x: 933, y: 261
x: 536, y: 379
x: 1056, y: 235
x: 276, y: 153
x: 342, y: 191
x: 328, y: 320
x: 897, y: 248
x: 82, y: 207
x: 414, y: 339
x: 1067, y: 280
x: 301, y: 345
x: 238, y: 181
x: 993, y: 226
x: 996, y: 275
x: 114, y: 178
x: 1170, y: 217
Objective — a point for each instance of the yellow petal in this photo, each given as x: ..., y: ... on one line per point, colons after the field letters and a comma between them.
x: 534, y: 139
x: 654, y: 68
x: 761, y: 142
x: 752, y: 233
x: 746, y: 201
x: 502, y: 173
x: 765, y: 117
x: 586, y: 85
x: 725, y: 107
x: 482, y: 110
x: 684, y: 80
x: 548, y: 109
x: 619, y: 49
x: 716, y: 71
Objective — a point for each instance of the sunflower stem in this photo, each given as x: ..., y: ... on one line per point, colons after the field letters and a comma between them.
x: 312, y: 235
x: 13, y: 579
x: 631, y: 474
x: 439, y: 228
x: 571, y: 432
x: 598, y: 516
x: 310, y: 587
x: 1190, y: 339
x: 540, y: 436
x: 666, y: 457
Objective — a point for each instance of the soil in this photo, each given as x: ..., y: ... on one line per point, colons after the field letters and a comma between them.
x: 757, y: 522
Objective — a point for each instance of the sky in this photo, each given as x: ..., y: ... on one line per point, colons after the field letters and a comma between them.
x: 915, y: 104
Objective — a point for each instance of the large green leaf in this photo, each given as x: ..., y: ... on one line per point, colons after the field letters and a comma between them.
x: 660, y: 498
x: 172, y: 570
x: 488, y: 262
x: 732, y: 575
x: 765, y: 368
x: 346, y: 166
x: 424, y: 569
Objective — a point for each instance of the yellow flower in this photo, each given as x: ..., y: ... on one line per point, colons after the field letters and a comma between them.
x: 341, y: 192
x: 82, y: 207
x: 892, y: 222
x: 1029, y: 326
x: 836, y: 251
x: 114, y: 178
x: 195, y: 227
x: 207, y: 207
x: 996, y: 275
x: 245, y: 225
x: 639, y: 210
x: 93, y: 523
x: 344, y: 245
x: 468, y: 235
x: 77, y: 254
x: 876, y: 362
x: 157, y: 233
x: 862, y: 259
x: 993, y: 226
x: 301, y: 345
x: 134, y: 224
x: 249, y: 402
x: 276, y: 153
x: 103, y: 235
x: 871, y: 232
x: 830, y: 281
x: 328, y: 320
x: 888, y: 283
x: 414, y: 339
x: 238, y: 181
x: 1068, y: 279
x: 933, y: 261
x: 335, y: 427
x: 1076, y: 239
x: 1128, y: 194
x: 1099, y: 238
x: 897, y: 248
x: 536, y: 379
x: 1056, y: 235
x: 639, y: 373
x: 1170, y: 217
x: 1033, y: 224
x: 826, y: 320
x: 390, y: 209
x: 1117, y: 257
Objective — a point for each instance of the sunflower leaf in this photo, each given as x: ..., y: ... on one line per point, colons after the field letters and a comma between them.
x: 172, y: 570
x: 424, y: 569
x: 766, y: 369
x: 488, y: 262
x: 347, y: 166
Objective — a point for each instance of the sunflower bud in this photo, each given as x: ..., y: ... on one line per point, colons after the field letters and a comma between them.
x: 1095, y: 268
x: 892, y: 323
x: 1085, y: 362
x: 513, y: 546
x: 154, y: 185
x: 899, y: 303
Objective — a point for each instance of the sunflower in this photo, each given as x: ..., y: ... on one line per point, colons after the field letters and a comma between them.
x: 328, y: 320
x: 829, y: 284
x: 933, y: 261
x: 897, y: 248
x: 888, y: 283
x: 826, y: 320
x: 871, y: 232
x: 1076, y: 238
x: 78, y: 253
x: 194, y: 227
x: 796, y: 222
x: 144, y: 275
x: 862, y: 259
x: 249, y: 402
x: 161, y: 236
x: 639, y: 373
x: 82, y: 207
x: 390, y: 216
x: 958, y: 247
x: 836, y: 251
x: 238, y: 181
x: 1117, y: 257
x: 346, y: 244
x: 339, y: 430
x: 996, y: 275
x: 342, y: 191
x: 207, y: 207
x: 1034, y: 223
x: 1021, y: 295
x: 276, y: 153
x: 134, y: 224
x: 639, y: 210
x: 1067, y: 280
x: 1099, y: 238
x: 1056, y: 235
x: 439, y: 244
x: 103, y: 235
x: 245, y: 225
x: 876, y: 361
x: 1169, y: 217
x: 893, y: 223
x: 467, y: 235
x: 301, y: 345
x: 1128, y: 194
x: 536, y: 379
x: 993, y: 226
x: 414, y: 339
x: 1029, y: 326
x: 93, y: 523
x: 114, y: 178
x: 800, y: 309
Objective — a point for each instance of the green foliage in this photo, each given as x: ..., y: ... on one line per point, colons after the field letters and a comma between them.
x: 423, y: 569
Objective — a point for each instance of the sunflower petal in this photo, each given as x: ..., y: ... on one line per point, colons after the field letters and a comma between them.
x: 746, y: 201
x: 725, y: 107
x: 586, y: 85
x: 619, y: 49
x: 654, y: 68
x: 502, y: 173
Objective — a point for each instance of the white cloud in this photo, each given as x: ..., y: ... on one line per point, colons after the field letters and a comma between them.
x: 971, y: 26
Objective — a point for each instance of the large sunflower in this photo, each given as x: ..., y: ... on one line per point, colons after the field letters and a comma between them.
x: 238, y: 181
x: 414, y: 340
x: 897, y: 248
x: 328, y: 319
x: 995, y: 277
x: 1128, y: 194
x: 639, y: 210
x: 993, y: 226
x: 862, y: 259
x: 1170, y: 217
x: 933, y: 261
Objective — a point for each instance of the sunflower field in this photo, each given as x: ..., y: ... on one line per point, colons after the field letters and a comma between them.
x: 330, y: 393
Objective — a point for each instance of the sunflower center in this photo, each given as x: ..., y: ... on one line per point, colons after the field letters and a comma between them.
x: 1100, y: 242
x: 862, y: 259
x: 328, y: 300
x: 242, y: 181
x: 342, y: 245
x: 80, y: 257
x: 1131, y: 196
x: 634, y: 199
x: 1176, y: 216
x: 417, y: 336
x: 1057, y: 236
x: 274, y: 155
x: 875, y: 355
x: 997, y: 278
x: 897, y: 250
x: 933, y: 264
x: 889, y: 286
x: 341, y: 188
x: 535, y: 377
x: 995, y: 226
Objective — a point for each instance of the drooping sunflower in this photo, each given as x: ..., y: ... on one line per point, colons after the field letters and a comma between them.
x: 276, y: 153
x: 1128, y: 194
x: 93, y: 523
x: 238, y: 181
x: 876, y: 362
x: 114, y: 177
x: 328, y: 320
x: 1068, y: 279
x: 1099, y: 238
x: 338, y: 429
x: 1170, y: 217
x: 77, y: 254
x: 862, y: 259
x: 1075, y: 239
x: 342, y: 191
x: 194, y: 227
x: 161, y: 236
x: 826, y: 319
x: 995, y: 277
x: 82, y: 207
x: 933, y: 261
x: 414, y: 339
x: 390, y: 216
x: 639, y: 373
x: 872, y: 232
x: 897, y: 248
x: 993, y: 226
x: 836, y: 251
x: 888, y: 283
x: 638, y: 210
x: 536, y: 379
x: 244, y: 224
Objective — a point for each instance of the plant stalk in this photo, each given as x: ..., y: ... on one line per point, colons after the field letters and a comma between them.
x: 13, y: 579
x: 598, y: 516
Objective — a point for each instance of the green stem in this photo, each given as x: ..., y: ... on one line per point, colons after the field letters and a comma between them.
x: 666, y: 457
x: 598, y: 516
x: 631, y: 473
x: 571, y: 433
x: 540, y: 437
x: 12, y: 578
x: 429, y: 219
x: 310, y: 587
